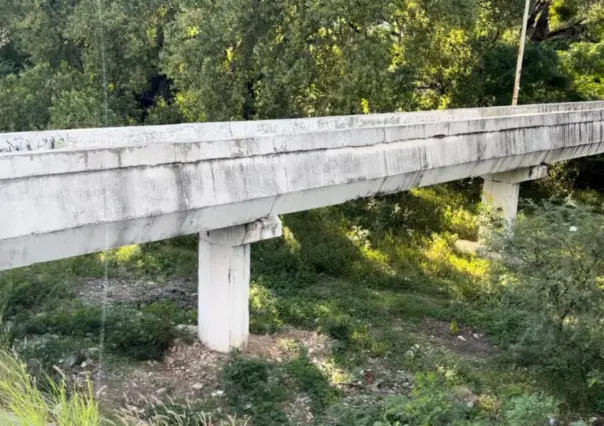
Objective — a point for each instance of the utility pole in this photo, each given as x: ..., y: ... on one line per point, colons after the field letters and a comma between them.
x: 521, y: 53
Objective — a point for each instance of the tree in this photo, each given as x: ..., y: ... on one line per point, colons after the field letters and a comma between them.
x: 168, y: 61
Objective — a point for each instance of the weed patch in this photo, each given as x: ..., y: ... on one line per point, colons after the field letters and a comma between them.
x: 265, y: 391
x: 135, y: 333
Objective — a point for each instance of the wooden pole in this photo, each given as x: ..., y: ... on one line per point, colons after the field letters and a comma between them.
x: 521, y: 54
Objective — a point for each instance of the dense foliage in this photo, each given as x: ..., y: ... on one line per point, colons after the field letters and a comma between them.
x: 165, y: 61
x: 553, y: 298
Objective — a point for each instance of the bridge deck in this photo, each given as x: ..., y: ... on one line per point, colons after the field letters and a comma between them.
x: 64, y: 193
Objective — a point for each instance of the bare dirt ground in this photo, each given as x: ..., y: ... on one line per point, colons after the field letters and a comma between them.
x: 187, y: 372
x: 190, y: 372
x: 466, y: 341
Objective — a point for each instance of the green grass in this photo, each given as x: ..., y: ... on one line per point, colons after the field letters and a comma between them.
x: 136, y: 332
x: 265, y: 390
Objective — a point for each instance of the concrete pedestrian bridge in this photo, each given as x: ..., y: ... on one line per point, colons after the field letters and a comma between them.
x: 67, y: 193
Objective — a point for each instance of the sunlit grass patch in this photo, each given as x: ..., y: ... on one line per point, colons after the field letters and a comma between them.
x: 443, y: 259
x: 264, y: 311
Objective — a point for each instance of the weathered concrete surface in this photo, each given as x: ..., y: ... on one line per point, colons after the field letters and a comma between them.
x: 61, y: 203
x: 519, y: 175
x: 501, y: 190
x: 199, y: 132
x: 224, y: 282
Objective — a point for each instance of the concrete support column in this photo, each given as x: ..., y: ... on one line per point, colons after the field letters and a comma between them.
x: 502, y: 196
x: 224, y: 282
x: 501, y: 190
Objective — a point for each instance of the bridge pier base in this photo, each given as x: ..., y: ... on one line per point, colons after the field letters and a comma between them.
x: 224, y: 282
x: 501, y: 190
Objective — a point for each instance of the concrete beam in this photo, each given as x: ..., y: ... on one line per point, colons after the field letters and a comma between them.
x: 224, y: 282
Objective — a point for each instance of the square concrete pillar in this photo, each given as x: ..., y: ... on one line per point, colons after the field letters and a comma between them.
x: 224, y: 282
x: 503, y: 197
x: 501, y: 191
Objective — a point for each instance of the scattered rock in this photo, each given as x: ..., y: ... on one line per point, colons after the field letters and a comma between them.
x: 197, y: 386
x: 93, y: 353
x: 124, y: 290
x: 217, y: 393
x: 188, y: 330
x: 465, y: 395
x: 467, y: 247
x: 161, y: 391
x: 72, y: 360
x: 467, y: 345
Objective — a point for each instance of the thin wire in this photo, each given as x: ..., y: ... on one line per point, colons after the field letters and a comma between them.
x: 104, y: 301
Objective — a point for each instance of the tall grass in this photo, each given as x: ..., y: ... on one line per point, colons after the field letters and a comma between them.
x: 23, y: 403
x: 160, y: 413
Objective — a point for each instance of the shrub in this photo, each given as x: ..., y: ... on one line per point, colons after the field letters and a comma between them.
x: 551, y: 272
x: 432, y: 402
x: 25, y: 289
x: 254, y: 388
x: 435, y: 401
x: 137, y: 334
x: 529, y: 410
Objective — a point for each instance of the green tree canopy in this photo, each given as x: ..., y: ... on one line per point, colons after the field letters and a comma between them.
x: 169, y: 61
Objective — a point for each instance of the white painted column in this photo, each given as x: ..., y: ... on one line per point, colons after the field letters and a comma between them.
x: 501, y: 190
x: 502, y: 196
x: 224, y: 282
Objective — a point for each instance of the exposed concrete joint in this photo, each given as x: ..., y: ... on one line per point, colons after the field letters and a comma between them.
x: 261, y: 229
